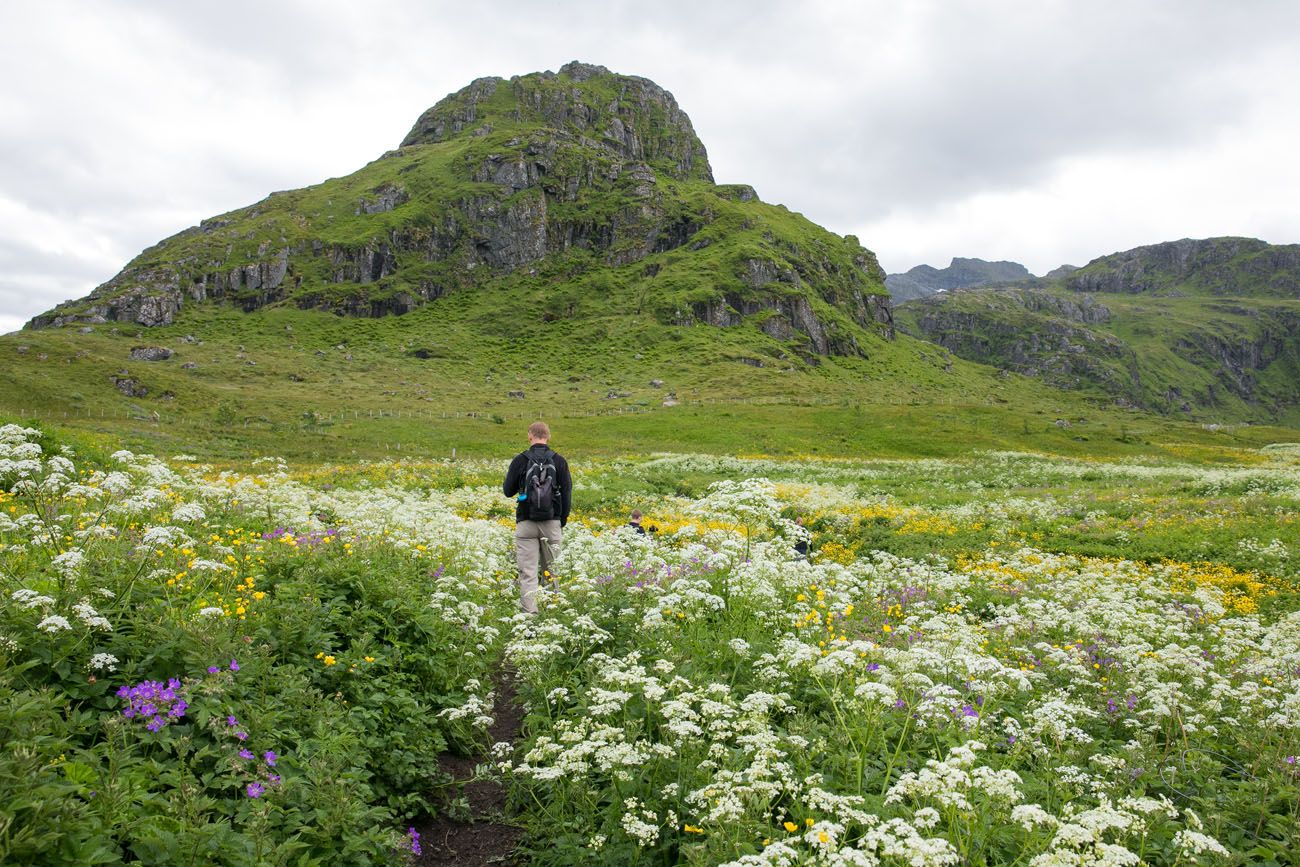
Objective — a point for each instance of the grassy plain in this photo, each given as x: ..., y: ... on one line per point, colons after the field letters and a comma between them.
x: 310, y: 386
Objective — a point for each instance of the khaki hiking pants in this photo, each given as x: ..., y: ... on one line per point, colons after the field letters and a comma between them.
x: 537, y: 545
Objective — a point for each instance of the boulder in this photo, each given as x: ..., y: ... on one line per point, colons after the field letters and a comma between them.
x: 150, y: 353
x: 130, y: 387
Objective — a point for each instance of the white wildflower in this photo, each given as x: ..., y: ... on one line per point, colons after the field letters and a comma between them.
x: 89, y: 616
x: 54, y: 623
x: 30, y: 598
x: 69, y: 563
x: 102, y: 662
x: 1195, y: 843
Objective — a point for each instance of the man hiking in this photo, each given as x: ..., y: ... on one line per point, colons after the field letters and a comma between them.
x: 539, y: 481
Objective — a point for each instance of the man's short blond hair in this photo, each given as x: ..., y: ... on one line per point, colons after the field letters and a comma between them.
x: 539, y: 431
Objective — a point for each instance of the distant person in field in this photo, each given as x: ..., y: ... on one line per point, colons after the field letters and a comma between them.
x: 634, y: 522
x: 539, y: 481
x: 802, y: 541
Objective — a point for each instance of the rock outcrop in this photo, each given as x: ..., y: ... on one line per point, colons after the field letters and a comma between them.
x: 1031, y: 332
x: 553, y: 177
x: 1212, y: 266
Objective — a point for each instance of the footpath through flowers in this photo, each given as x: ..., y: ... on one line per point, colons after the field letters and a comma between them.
x: 1007, y: 659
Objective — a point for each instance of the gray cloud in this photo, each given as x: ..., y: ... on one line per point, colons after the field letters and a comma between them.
x: 917, y: 123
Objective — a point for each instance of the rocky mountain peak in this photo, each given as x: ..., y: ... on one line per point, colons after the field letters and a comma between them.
x: 584, y: 191
x: 629, y: 115
x: 962, y: 273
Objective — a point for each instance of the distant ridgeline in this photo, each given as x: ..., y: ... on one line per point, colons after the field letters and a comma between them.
x: 563, y: 188
x: 925, y: 280
x: 1208, y: 329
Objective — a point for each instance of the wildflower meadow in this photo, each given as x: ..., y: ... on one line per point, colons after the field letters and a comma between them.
x: 1003, y: 659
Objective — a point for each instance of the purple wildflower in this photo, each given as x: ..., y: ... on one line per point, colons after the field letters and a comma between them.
x: 212, y: 669
x: 415, y: 841
x: 255, y: 790
x: 967, y: 710
x: 154, y: 702
x: 234, y: 666
x: 873, y: 666
x: 900, y: 704
x: 274, y: 778
x: 231, y: 721
x: 243, y: 736
x: 245, y: 754
x: 270, y: 757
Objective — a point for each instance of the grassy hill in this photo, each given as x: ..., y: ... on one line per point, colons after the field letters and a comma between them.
x: 1200, y: 330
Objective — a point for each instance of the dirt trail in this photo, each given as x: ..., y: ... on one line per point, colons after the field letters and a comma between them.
x: 484, y: 839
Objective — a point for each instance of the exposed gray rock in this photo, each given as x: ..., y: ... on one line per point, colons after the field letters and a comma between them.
x: 130, y: 387
x: 151, y: 353
x: 738, y: 192
x: 189, y: 365
x: 383, y: 198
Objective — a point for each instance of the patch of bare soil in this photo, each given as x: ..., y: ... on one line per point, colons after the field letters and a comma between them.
x: 485, y: 838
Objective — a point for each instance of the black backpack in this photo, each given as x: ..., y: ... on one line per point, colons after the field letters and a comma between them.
x: 541, y: 488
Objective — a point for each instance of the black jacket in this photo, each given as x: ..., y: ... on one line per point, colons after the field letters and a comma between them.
x: 515, y: 480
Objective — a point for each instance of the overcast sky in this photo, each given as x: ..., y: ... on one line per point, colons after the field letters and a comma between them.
x: 1043, y: 132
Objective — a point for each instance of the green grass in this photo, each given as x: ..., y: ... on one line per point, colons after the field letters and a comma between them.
x: 903, y: 400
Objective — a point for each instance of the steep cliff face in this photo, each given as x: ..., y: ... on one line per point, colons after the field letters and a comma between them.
x: 570, y: 179
x: 1033, y: 332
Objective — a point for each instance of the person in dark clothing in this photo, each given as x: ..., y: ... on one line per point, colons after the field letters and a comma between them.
x: 801, y: 544
x: 537, y: 542
x: 634, y: 521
